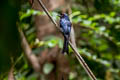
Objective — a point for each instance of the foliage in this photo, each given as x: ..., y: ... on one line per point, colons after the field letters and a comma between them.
x: 97, y: 30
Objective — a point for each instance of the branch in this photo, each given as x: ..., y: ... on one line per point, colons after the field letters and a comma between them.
x: 28, y: 52
x: 81, y: 60
x: 11, y: 72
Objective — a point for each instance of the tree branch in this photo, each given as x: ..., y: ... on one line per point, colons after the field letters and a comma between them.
x: 11, y: 72
x: 28, y: 52
x: 81, y: 60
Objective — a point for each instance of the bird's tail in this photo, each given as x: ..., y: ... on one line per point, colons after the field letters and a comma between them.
x: 65, y: 46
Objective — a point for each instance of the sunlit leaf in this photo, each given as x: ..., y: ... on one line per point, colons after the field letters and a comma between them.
x: 29, y: 13
x: 72, y: 75
x: 47, y: 68
x: 112, y: 14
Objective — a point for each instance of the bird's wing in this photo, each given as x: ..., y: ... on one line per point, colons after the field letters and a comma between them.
x: 69, y: 27
x: 63, y: 25
x: 66, y: 26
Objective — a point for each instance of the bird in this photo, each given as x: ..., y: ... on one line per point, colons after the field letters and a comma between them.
x: 65, y: 26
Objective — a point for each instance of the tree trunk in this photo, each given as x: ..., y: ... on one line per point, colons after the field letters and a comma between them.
x: 44, y: 27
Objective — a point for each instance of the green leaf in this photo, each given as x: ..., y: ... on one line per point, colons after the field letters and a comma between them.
x: 60, y: 43
x: 29, y: 13
x: 47, y: 68
x: 84, y: 16
x: 87, y: 23
x: 52, y: 43
x: 112, y: 14
x: 97, y: 17
x: 74, y: 14
x: 72, y: 75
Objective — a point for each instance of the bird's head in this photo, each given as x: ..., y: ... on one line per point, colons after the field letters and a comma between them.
x: 64, y: 15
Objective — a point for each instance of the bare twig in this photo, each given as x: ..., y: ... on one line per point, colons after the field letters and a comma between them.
x: 11, y: 72
x: 81, y: 60
x: 72, y: 37
x: 28, y: 52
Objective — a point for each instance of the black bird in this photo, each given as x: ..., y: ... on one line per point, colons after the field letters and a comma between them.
x: 65, y: 25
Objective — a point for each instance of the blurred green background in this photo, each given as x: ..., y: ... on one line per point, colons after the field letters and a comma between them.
x: 97, y: 30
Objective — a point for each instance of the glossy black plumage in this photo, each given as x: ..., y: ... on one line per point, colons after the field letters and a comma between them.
x: 65, y: 25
